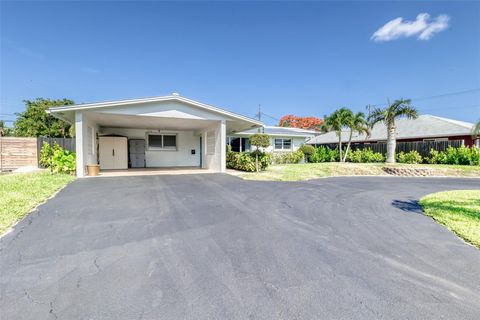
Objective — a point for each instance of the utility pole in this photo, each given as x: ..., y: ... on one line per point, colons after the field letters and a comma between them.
x: 259, y: 114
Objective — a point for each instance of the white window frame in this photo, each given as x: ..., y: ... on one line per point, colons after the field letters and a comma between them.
x: 283, y: 144
x: 162, y: 134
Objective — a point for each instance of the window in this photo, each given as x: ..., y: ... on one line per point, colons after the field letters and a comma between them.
x: 283, y: 144
x: 162, y: 141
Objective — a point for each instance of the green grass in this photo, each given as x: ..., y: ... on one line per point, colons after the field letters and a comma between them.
x: 20, y: 193
x: 459, y: 211
x: 296, y: 172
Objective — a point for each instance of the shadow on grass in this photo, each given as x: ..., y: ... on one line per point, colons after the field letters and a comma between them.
x: 408, y: 206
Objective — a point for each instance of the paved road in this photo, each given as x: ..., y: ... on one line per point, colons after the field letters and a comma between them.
x: 217, y: 247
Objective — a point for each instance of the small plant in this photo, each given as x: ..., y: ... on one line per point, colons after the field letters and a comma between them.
x: 365, y: 156
x: 259, y: 140
x: 57, y: 159
x: 324, y: 154
x: 460, y: 156
x: 287, y: 157
x: 307, y: 150
x: 412, y: 157
x: 246, y: 161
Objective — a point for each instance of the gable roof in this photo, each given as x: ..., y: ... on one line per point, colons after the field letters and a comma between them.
x: 106, y: 104
x: 425, y: 126
x: 281, y: 131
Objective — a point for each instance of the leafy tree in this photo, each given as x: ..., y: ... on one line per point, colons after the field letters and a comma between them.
x: 4, y: 130
x: 399, y: 108
x: 337, y: 121
x: 356, y: 123
x: 309, y: 123
x: 259, y: 140
x: 34, y: 121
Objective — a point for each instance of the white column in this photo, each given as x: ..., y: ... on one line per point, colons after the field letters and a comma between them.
x: 79, y: 144
x: 223, y: 146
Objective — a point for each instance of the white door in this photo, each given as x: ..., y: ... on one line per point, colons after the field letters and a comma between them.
x: 106, y: 152
x: 120, y: 153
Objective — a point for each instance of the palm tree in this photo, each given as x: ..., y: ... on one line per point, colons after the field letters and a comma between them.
x: 476, y: 129
x: 336, y: 122
x: 356, y: 123
x: 399, y: 108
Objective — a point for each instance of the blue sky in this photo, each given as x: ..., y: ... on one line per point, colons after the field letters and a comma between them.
x: 303, y: 58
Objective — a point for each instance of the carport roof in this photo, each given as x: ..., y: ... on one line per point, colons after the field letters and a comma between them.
x: 60, y: 111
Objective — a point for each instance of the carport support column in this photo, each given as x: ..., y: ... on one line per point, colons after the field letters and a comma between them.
x: 79, y: 144
x: 223, y: 146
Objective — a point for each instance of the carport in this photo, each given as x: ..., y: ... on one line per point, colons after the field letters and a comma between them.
x: 162, y: 132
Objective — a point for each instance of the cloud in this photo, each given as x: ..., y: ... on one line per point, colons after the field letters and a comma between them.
x: 422, y: 26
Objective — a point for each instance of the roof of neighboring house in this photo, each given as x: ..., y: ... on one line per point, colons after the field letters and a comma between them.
x: 280, y: 131
x: 57, y: 111
x: 425, y: 126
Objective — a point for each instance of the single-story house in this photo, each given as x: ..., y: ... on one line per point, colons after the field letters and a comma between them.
x: 167, y: 131
x: 282, y: 139
x: 424, y: 128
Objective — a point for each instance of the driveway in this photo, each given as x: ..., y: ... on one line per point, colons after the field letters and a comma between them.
x: 213, y: 246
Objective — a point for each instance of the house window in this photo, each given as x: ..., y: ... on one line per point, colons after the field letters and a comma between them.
x: 283, y: 144
x: 162, y: 141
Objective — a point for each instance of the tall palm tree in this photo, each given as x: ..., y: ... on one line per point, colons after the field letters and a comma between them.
x: 476, y: 129
x: 336, y: 122
x: 399, y: 108
x: 356, y: 123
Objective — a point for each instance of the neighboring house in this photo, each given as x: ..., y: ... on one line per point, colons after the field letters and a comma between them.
x: 169, y: 131
x: 424, y: 128
x: 282, y: 139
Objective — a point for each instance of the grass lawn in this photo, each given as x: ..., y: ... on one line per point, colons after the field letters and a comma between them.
x: 459, y: 211
x: 20, y: 193
x: 295, y: 172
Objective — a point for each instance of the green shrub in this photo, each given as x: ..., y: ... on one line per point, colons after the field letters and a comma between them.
x: 324, y: 154
x: 287, y: 157
x: 245, y: 161
x: 57, y: 159
x: 307, y: 150
x: 365, y: 156
x: 461, y: 156
x: 412, y: 157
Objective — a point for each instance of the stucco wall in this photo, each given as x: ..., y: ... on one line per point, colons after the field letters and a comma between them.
x: 182, y: 157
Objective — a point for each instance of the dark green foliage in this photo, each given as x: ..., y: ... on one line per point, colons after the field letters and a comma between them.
x: 307, y: 149
x: 287, y: 157
x: 33, y: 122
x: 57, y: 159
x: 260, y: 140
x: 245, y: 161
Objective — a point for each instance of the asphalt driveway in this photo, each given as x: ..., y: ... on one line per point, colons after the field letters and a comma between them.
x: 217, y: 247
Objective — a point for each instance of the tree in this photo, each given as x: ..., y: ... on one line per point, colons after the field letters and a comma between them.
x: 337, y: 121
x: 35, y: 122
x: 388, y: 115
x: 476, y: 130
x: 4, y: 130
x: 259, y: 140
x: 308, y: 123
x: 356, y: 123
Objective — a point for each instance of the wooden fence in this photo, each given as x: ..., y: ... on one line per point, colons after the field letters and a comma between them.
x: 65, y: 143
x: 17, y: 152
x: 422, y: 147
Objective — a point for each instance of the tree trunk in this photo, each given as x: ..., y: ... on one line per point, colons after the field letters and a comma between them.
x: 256, y: 160
x: 348, y: 145
x: 340, y: 146
x: 391, y: 143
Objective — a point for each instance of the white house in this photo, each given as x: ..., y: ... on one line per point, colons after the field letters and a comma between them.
x: 282, y: 139
x: 168, y: 131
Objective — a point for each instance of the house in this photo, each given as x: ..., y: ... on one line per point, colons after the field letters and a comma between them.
x: 167, y: 131
x: 424, y: 128
x: 282, y: 139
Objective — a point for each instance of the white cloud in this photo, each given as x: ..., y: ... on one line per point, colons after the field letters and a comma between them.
x: 422, y: 26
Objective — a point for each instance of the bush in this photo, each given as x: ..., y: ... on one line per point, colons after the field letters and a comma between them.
x: 365, y: 156
x: 57, y: 159
x: 324, y: 154
x: 287, y: 157
x: 461, y: 156
x: 412, y: 157
x: 307, y: 150
x: 245, y: 161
